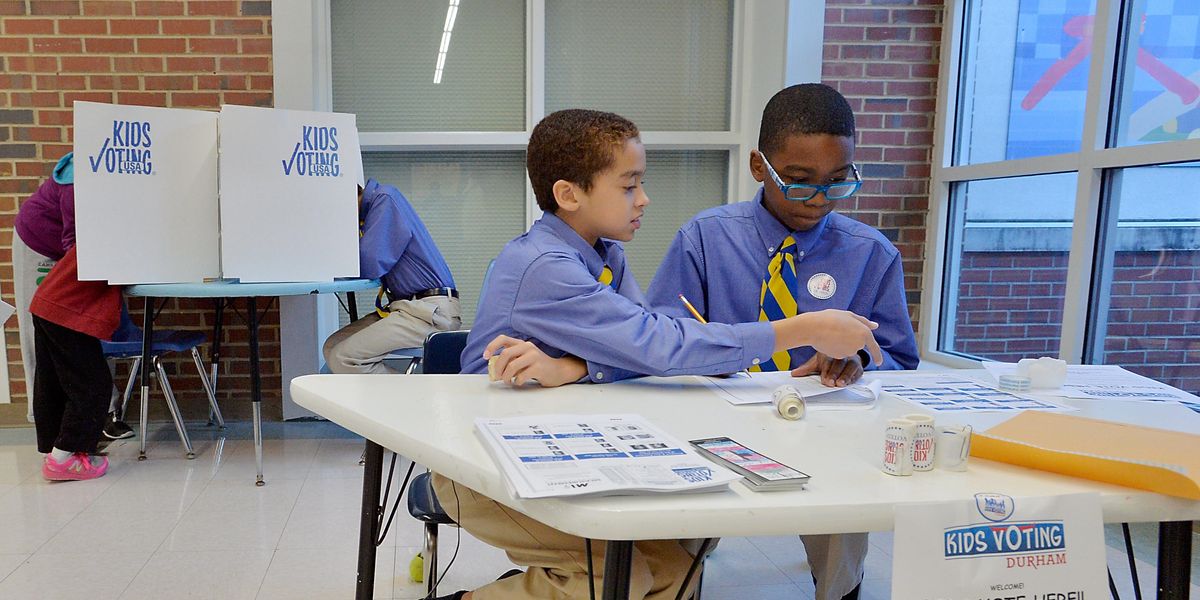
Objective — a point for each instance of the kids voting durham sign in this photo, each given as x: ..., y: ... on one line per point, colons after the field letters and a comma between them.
x: 1000, y: 548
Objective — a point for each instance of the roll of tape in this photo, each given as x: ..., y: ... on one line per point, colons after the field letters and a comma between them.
x: 788, y: 402
x: 492, y: 367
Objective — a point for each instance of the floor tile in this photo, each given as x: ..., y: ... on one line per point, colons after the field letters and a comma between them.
x: 234, y: 494
x: 47, y: 576
x: 137, y: 496
x: 225, y: 574
x: 10, y: 562
x: 140, y: 533
x: 315, y: 574
x: 758, y: 592
x: 226, y: 530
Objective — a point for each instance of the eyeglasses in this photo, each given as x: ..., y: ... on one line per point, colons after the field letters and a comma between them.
x: 803, y: 192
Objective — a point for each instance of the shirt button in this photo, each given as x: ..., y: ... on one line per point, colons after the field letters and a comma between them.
x: 755, y: 361
x: 801, y: 253
x: 599, y: 376
x: 771, y: 249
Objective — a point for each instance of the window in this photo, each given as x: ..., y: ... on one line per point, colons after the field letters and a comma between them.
x: 1063, y: 212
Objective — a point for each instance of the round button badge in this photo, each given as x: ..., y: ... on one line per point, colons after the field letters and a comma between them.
x: 822, y: 286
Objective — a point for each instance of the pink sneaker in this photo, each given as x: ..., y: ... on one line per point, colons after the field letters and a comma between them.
x: 77, y: 468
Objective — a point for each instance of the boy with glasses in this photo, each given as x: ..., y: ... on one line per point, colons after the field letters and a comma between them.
x: 786, y: 253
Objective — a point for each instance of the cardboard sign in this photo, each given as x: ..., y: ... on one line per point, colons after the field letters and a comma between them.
x: 996, y: 547
x: 289, y: 208
x: 145, y: 194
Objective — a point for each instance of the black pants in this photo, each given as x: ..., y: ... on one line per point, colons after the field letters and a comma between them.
x: 71, y: 389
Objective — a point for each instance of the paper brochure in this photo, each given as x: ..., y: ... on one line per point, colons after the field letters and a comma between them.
x: 569, y: 455
x: 1145, y: 458
x: 756, y: 388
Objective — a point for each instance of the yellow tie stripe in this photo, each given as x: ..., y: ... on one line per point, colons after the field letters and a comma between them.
x: 606, y: 277
x: 776, y: 299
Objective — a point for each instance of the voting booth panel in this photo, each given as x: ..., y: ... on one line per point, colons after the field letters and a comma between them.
x: 145, y: 194
x: 288, y: 184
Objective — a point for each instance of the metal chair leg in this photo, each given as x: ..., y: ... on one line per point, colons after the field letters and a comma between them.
x: 413, y: 363
x: 133, y: 371
x: 214, y: 411
x: 430, y: 554
x: 173, y: 407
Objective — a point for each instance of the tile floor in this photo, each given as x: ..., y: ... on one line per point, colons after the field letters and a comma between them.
x: 172, y: 528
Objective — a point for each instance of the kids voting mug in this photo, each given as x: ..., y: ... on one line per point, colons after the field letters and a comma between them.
x: 897, y: 447
x: 923, y: 442
x: 952, y: 447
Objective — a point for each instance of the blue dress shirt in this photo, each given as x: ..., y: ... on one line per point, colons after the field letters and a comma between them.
x: 395, y: 245
x: 543, y: 288
x: 719, y: 258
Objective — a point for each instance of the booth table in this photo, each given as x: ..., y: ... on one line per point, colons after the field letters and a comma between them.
x: 226, y: 291
x: 430, y: 419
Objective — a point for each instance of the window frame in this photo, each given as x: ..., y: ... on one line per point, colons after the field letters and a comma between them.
x: 1085, y: 298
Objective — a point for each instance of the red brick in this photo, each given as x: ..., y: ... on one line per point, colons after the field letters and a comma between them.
x: 841, y: 70
x: 186, y: 27
x: 55, y: 117
x: 158, y: 9
x: 212, y: 9
x: 916, y: 16
x: 109, y: 45
x: 845, y: 34
x: 910, y: 52
x: 892, y: 70
x: 28, y: 26
x: 86, y: 64
x: 180, y: 64
x: 170, y: 82
x: 138, y: 64
x: 927, y: 34
x: 910, y: 88
x: 61, y: 82
x: 69, y: 98
x: 54, y: 7
x: 14, y: 45
x: 262, y: 82
x: 16, y: 82
x: 142, y: 98
x: 107, y: 7
x: 133, y: 26
x: 212, y: 45
x: 864, y: 51
x: 221, y: 82
x: 161, y: 46
x: 865, y: 15
x: 242, y: 64
x: 265, y: 99
x: 238, y: 26
x: 13, y: 7
x: 899, y: 34
x: 196, y: 99
x: 57, y: 45
x: 37, y: 134
x: 33, y: 64
x: 256, y: 46
x: 82, y: 26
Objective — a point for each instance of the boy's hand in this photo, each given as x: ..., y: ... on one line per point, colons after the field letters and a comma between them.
x: 841, y: 333
x: 834, y: 372
x: 518, y: 361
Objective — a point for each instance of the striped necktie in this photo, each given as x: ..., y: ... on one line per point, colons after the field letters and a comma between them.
x: 606, y: 277
x: 777, y: 299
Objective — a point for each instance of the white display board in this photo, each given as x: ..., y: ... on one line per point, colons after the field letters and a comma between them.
x: 288, y: 182
x: 145, y: 194
x: 997, y: 546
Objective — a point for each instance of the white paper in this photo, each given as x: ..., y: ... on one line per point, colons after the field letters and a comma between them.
x: 952, y: 394
x: 995, y: 546
x: 289, y: 207
x: 756, y: 388
x: 6, y: 311
x: 145, y: 194
x: 569, y: 455
x: 1103, y: 382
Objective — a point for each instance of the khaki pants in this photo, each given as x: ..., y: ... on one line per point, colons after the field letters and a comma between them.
x: 557, y: 561
x: 836, y: 562
x: 360, y: 346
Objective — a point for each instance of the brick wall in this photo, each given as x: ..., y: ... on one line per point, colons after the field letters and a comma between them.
x: 883, y: 56
x: 1010, y: 307
x: 189, y: 54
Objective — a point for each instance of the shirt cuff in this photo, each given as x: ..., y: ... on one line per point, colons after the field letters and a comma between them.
x: 758, y: 341
x: 598, y: 373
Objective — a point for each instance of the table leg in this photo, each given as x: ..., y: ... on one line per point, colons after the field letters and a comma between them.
x: 147, y: 343
x: 1174, y: 559
x: 352, y: 306
x: 368, y: 525
x: 214, y: 349
x: 618, y: 562
x: 255, y: 387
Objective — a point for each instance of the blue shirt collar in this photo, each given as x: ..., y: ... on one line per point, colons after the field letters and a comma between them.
x: 594, y: 257
x: 772, y: 232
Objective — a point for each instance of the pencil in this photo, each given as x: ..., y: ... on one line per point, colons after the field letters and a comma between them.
x: 692, y: 309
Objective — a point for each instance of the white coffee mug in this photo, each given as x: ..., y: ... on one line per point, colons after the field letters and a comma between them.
x: 953, y: 447
x: 923, y: 441
x: 897, y: 447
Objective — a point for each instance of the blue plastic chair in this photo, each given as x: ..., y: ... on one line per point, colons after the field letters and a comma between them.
x: 127, y: 345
